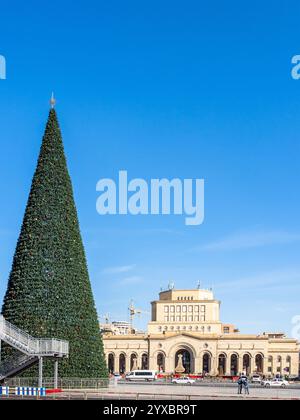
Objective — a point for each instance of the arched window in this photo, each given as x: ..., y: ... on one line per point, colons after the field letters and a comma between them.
x: 111, y: 363
x: 246, y: 364
x: 288, y: 364
x: 160, y: 362
x: 259, y: 363
x: 222, y: 364
x: 145, y: 361
x: 133, y: 362
x: 122, y: 363
x: 186, y: 361
x: 206, y: 363
x: 234, y: 365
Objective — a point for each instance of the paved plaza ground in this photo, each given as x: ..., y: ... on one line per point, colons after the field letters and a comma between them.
x: 177, y: 392
x: 199, y: 392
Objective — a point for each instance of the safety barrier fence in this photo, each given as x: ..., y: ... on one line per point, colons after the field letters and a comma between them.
x: 63, y: 383
x: 22, y: 391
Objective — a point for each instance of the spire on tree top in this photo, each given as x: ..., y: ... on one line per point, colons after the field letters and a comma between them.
x: 52, y: 101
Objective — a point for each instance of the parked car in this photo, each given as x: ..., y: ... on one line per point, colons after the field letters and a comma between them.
x: 184, y: 381
x: 276, y: 382
x: 117, y: 376
x: 256, y: 379
x: 294, y: 379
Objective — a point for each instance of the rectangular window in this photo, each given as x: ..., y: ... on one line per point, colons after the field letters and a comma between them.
x: 196, y: 318
x: 166, y: 308
x: 178, y: 308
x: 178, y: 318
x: 166, y: 319
x: 184, y: 319
x: 202, y: 308
x: 172, y: 319
x: 184, y: 308
x: 172, y: 308
x: 190, y: 318
x: 202, y: 318
x: 190, y: 308
x: 196, y: 308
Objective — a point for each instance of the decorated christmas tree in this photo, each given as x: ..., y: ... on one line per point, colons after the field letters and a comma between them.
x: 49, y: 292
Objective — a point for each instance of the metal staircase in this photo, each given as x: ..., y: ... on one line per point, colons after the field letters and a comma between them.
x: 32, y: 349
x: 16, y: 364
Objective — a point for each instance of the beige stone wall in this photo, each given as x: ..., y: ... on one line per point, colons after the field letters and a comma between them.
x: 274, y: 355
x: 185, y: 310
x: 129, y: 346
x: 186, y: 295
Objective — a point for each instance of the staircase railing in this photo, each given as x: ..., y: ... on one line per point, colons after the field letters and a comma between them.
x: 15, y: 362
x: 30, y: 345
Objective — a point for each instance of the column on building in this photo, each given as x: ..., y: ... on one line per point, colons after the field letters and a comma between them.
x: 265, y: 365
x: 127, y: 358
x: 294, y: 364
x: 117, y: 360
x: 240, y: 363
x: 106, y: 358
x: 228, y: 365
x: 152, y: 362
x: 282, y: 364
x: 199, y: 364
x: 214, y: 366
x: 170, y: 363
x: 252, y: 364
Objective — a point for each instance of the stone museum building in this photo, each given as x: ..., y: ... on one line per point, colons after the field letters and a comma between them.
x: 185, y: 335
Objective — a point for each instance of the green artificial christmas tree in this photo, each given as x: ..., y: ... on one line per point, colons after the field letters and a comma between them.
x: 49, y: 292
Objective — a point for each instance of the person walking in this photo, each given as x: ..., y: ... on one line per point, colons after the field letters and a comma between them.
x: 240, y: 385
x: 245, y: 384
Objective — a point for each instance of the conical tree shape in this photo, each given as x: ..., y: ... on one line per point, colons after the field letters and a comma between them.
x: 49, y: 292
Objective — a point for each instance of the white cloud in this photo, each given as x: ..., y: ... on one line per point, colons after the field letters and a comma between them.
x: 119, y: 269
x: 250, y: 240
x: 271, y: 280
x: 131, y: 280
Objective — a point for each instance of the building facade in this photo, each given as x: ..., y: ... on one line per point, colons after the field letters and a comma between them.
x: 185, y: 329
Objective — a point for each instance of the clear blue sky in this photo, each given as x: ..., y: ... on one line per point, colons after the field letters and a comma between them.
x: 165, y: 89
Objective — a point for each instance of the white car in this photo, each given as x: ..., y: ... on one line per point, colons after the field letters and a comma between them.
x: 183, y: 381
x: 279, y: 383
x: 256, y: 379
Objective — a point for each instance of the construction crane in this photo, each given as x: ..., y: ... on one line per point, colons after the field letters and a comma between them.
x: 133, y: 311
x: 106, y: 317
